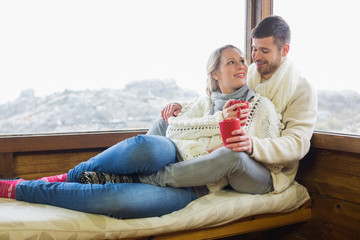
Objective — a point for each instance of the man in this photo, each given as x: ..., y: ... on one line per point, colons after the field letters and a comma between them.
x: 272, y: 75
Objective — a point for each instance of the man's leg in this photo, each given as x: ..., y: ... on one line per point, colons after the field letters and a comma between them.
x: 159, y: 127
x: 244, y: 174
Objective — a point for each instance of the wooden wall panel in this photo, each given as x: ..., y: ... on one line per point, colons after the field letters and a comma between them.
x: 6, y: 165
x: 340, y: 213
x: 331, y: 173
x: 35, y: 165
x: 332, y: 178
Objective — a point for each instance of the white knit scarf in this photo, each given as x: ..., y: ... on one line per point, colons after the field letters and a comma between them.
x: 279, y: 88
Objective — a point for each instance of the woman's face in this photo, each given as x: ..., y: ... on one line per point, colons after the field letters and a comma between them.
x: 232, y: 71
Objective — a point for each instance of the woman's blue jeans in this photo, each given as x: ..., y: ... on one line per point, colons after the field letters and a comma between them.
x: 142, y: 154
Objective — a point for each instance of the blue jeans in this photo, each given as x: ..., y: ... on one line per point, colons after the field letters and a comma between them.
x: 141, y: 154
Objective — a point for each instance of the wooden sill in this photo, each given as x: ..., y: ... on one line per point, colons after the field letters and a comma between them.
x: 88, y: 140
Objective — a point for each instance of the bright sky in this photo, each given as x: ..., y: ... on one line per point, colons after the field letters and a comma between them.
x: 52, y: 45
x: 83, y: 44
x: 325, y: 40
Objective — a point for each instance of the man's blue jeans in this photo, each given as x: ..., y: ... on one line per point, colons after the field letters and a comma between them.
x: 141, y: 154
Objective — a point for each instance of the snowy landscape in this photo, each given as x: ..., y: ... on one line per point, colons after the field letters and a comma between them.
x: 137, y: 105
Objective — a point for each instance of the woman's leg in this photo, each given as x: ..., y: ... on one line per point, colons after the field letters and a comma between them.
x: 244, y: 174
x: 141, y: 154
x: 122, y: 200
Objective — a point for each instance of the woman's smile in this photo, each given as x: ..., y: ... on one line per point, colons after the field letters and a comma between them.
x: 240, y: 75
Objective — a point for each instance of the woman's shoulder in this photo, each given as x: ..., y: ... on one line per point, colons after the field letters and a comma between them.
x: 196, y: 101
x: 196, y: 105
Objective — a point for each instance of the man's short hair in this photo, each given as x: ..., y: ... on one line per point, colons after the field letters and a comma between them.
x: 273, y: 26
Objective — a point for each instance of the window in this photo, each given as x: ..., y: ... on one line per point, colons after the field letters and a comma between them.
x: 84, y: 65
x: 324, y: 46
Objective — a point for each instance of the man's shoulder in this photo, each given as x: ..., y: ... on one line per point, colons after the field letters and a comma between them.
x: 303, y: 83
x: 305, y: 92
x: 304, y: 87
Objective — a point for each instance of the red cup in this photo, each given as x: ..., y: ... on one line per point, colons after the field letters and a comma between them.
x: 239, y: 109
x: 226, y: 128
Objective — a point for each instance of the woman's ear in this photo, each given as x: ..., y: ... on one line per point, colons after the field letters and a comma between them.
x: 215, y: 75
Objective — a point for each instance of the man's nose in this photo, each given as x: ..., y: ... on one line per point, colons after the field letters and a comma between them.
x: 256, y: 56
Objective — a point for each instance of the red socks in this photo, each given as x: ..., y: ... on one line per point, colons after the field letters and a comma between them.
x: 7, y: 187
x: 57, y: 178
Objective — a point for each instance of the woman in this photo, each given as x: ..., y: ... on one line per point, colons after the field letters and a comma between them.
x: 194, y: 133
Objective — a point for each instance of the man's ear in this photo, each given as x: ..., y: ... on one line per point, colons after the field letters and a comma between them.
x: 215, y: 75
x: 285, y: 49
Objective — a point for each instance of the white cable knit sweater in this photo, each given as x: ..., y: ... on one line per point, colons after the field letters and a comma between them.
x: 296, y: 100
x: 195, y: 132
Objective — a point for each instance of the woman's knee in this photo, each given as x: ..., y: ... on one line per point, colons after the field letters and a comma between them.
x: 156, y: 151
x: 155, y: 145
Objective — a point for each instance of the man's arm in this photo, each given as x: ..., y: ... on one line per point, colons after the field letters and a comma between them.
x: 299, y: 119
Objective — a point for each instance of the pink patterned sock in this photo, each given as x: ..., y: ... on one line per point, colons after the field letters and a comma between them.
x: 7, y: 187
x: 57, y: 178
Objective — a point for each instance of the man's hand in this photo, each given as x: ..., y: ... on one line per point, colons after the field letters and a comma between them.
x: 242, y: 142
x: 211, y: 150
x: 171, y: 110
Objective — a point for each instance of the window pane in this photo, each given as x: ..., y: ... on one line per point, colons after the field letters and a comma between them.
x: 76, y: 65
x: 324, y: 46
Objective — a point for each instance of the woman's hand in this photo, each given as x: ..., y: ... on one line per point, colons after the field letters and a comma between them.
x: 229, y: 111
x: 242, y: 142
x: 171, y: 110
x: 235, y: 111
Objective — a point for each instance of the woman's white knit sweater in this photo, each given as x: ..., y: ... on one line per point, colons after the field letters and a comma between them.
x: 195, y: 132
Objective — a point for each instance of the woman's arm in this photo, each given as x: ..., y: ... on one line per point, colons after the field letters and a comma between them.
x: 194, y: 121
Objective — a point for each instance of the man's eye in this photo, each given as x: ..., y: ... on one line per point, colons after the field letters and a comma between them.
x: 265, y: 51
x: 242, y: 61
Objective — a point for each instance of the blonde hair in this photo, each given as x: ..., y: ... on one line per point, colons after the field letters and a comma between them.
x: 212, y: 85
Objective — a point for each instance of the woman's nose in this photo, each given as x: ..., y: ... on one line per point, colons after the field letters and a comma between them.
x: 241, y: 65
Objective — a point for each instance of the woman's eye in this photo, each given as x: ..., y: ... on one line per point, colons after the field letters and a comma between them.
x: 242, y: 61
x: 231, y: 62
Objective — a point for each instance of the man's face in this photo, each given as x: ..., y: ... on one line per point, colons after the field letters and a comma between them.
x: 266, y: 56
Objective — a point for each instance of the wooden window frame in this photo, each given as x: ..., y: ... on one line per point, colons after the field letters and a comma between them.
x: 256, y: 10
